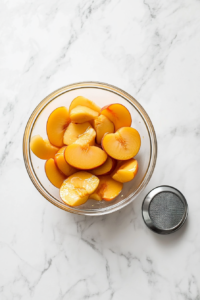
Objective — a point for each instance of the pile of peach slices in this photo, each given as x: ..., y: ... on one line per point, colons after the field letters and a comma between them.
x: 90, y: 151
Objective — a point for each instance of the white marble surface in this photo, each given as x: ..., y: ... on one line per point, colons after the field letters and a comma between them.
x: 149, y: 48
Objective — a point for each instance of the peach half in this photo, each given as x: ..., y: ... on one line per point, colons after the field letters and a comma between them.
x: 61, y: 163
x: 42, y: 148
x: 53, y: 174
x: 76, y: 189
x: 103, y: 125
x: 127, y: 171
x: 107, y: 189
x: 81, y: 114
x: 73, y: 131
x: 56, y: 125
x: 80, y: 100
x: 106, y: 168
x: 118, y: 114
x: 123, y: 144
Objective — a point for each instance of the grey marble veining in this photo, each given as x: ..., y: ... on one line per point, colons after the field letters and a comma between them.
x: 150, y: 49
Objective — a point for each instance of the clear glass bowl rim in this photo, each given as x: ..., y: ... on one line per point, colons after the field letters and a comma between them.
x: 98, y: 85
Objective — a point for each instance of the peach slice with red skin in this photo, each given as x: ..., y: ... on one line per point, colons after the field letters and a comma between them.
x: 127, y: 171
x: 103, y: 125
x: 106, y: 168
x: 56, y: 125
x: 81, y: 114
x: 107, y: 189
x: 118, y: 114
x: 80, y: 100
x: 42, y: 148
x: 53, y: 173
x: 62, y: 165
x: 123, y: 144
x: 76, y: 189
x: 73, y: 132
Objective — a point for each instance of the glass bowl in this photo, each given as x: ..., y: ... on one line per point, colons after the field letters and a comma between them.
x: 102, y: 94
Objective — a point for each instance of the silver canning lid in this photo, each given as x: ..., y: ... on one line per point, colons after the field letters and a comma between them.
x: 164, y: 209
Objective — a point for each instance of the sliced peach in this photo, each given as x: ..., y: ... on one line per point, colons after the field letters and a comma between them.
x: 95, y: 196
x: 73, y: 131
x: 62, y: 165
x: 118, y: 165
x: 76, y: 189
x: 123, y: 144
x: 118, y: 114
x: 81, y: 114
x: 61, y: 150
x: 80, y: 100
x: 85, y: 157
x: 53, y: 174
x: 87, y: 138
x: 107, y: 189
x: 42, y: 148
x: 127, y: 171
x: 106, y: 168
x: 56, y: 125
x: 103, y: 125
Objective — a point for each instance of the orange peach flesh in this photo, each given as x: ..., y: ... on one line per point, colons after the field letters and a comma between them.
x: 73, y: 132
x: 107, y: 189
x: 80, y: 100
x: 76, y: 189
x: 61, y: 150
x: 95, y: 196
x: 123, y: 144
x: 81, y: 114
x: 127, y: 171
x: 53, y: 174
x: 56, y: 125
x: 106, y: 168
x: 87, y: 138
x: 118, y: 114
x: 103, y: 125
x: 91, y: 123
x: 62, y: 165
x: 42, y: 148
x: 85, y: 157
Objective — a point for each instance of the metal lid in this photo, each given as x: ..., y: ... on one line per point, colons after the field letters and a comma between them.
x: 164, y: 209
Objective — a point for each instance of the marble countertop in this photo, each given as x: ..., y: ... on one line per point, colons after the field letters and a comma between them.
x: 149, y: 48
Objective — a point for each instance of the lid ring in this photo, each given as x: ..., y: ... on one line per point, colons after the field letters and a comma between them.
x: 147, y: 203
